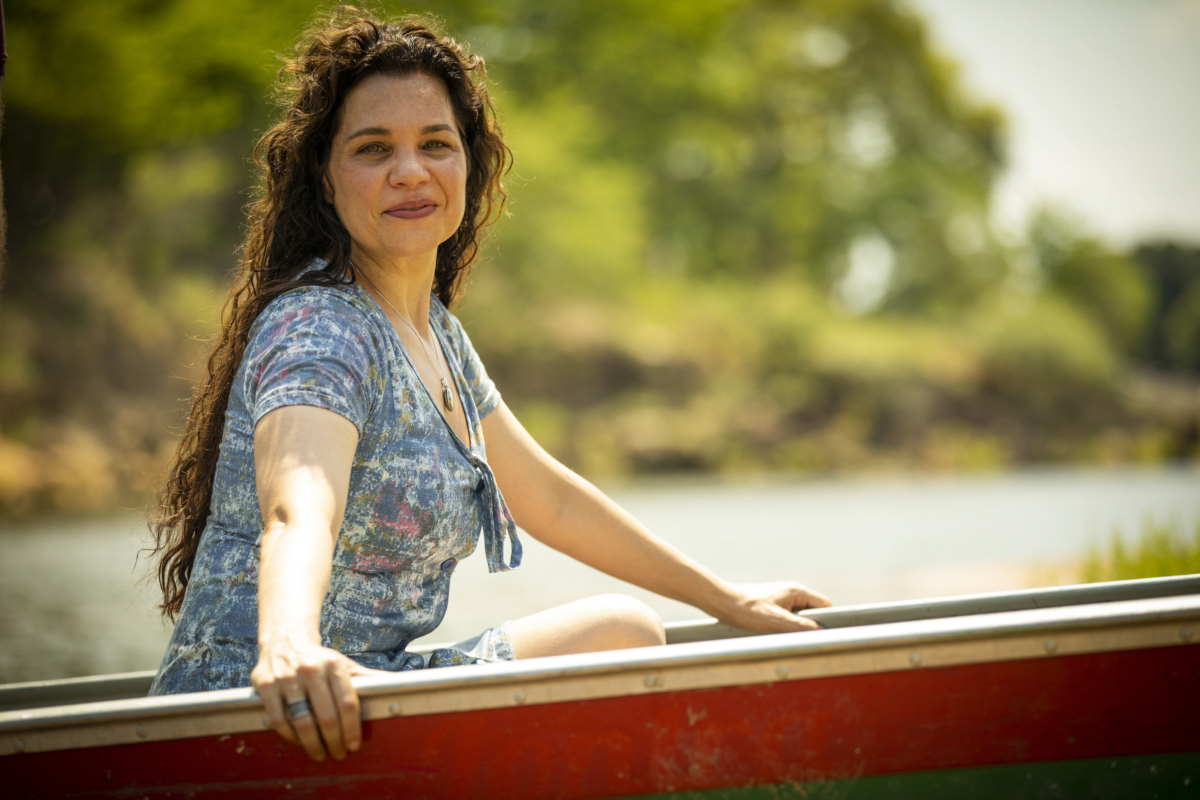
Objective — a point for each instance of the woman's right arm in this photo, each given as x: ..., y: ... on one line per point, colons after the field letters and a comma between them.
x: 302, y: 460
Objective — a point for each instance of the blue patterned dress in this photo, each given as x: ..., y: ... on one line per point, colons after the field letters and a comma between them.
x: 419, y: 496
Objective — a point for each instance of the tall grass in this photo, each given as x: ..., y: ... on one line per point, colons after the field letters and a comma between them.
x: 1161, y: 548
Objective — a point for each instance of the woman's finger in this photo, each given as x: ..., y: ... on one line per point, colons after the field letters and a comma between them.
x: 788, y: 620
x: 800, y: 597
x: 328, y: 720
x: 345, y: 699
x: 300, y: 715
x: 276, y: 716
x: 817, y: 600
x: 806, y: 623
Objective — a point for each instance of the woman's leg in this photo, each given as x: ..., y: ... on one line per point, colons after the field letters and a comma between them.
x: 603, y: 622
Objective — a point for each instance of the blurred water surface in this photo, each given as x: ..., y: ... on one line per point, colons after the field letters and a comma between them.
x: 74, y: 599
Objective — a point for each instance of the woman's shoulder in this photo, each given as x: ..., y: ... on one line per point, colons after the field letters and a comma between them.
x: 449, y: 323
x: 342, y: 300
x: 315, y: 345
x: 319, y: 309
x: 314, y: 325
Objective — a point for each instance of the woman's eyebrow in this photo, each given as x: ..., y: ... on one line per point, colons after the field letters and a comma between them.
x: 368, y: 132
x: 376, y: 131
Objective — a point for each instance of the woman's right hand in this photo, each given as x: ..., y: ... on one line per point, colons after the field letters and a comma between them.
x: 292, y: 672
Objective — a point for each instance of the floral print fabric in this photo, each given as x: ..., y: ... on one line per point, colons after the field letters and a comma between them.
x: 419, y: 497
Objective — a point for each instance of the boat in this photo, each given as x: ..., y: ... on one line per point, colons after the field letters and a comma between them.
x: 1079, y: 691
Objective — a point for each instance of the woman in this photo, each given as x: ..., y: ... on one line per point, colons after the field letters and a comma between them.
x: 348, y: 447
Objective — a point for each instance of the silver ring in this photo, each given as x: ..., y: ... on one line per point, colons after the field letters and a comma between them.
x: 299, y: 708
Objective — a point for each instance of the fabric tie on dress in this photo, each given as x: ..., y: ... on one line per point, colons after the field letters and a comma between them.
x: 498, y: 526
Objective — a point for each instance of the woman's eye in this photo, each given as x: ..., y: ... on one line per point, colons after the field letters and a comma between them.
x: 372, y: 147
x: 437, y: 144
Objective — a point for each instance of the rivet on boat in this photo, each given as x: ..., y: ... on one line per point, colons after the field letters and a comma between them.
x: 519, y: 696
x: 1187, y: 633
x: 141, y: 733
x: 914, y: 659
x: 651, y: 681
x: 393, y: 708
x: 781, y: 671
x: 1050, y: 645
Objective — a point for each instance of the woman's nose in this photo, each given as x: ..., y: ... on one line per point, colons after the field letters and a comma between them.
x: 407, y: 169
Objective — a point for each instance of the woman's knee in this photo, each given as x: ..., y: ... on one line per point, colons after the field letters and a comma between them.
x: 629, y: 622
x: 601, y: 622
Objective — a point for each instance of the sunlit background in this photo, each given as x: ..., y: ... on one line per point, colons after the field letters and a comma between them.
x: 897, y: 298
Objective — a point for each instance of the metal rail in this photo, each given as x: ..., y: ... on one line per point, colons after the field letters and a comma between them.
x: 136, y: 684
x: 959, y: 606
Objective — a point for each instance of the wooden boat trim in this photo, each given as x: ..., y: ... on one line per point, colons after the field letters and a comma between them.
x: 918, y: 644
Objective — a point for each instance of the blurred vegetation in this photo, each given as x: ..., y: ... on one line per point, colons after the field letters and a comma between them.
x: 744, y: 235
x: 1160, y: 549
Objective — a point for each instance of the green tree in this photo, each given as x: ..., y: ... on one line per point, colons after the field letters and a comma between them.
x: 771, y: 137
x: 741, y: 233
x: 128, y: 128
x: 1172, y: 340
x: 1104, y: 284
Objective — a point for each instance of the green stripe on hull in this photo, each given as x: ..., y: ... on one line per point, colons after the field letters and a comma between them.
x: 1157, y: 777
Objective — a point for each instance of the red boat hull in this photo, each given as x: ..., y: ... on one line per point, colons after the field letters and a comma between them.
x: 779, y: 736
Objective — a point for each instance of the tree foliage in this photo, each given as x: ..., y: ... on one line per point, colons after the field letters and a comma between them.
x: 1171, y: 340
x: 743, y: 234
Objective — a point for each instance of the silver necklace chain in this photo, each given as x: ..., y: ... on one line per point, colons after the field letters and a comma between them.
x: 447, y: 395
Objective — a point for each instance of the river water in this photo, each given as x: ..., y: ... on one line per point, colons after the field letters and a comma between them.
x: 74, y: 600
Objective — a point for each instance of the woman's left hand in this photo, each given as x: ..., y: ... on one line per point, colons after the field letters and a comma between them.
x: 770, y: 607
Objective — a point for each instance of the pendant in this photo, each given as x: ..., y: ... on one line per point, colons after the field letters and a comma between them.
x: 447, y: 396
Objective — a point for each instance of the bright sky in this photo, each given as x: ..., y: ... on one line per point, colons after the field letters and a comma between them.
x: 1103, y: 103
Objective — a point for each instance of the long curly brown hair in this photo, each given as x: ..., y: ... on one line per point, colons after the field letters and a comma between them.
x: 290, y: 225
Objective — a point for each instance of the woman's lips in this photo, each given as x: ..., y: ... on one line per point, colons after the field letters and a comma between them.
x: 412, y: 210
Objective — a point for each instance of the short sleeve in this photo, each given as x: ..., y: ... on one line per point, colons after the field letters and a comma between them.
x: 481, y: 387
x: 311, y: 347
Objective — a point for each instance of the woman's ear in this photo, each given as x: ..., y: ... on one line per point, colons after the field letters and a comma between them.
x: 328, y: 187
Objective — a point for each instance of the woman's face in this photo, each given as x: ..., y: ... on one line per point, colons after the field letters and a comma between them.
x: 397, y: 168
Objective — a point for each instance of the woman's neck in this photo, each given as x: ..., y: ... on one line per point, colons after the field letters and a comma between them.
x: 405, y: 285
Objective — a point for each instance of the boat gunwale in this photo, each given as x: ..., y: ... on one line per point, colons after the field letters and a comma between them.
x: 131, y: 685
x: 768, y: 647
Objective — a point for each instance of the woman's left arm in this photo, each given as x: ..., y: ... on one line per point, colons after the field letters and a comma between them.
x: 568, y: 513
